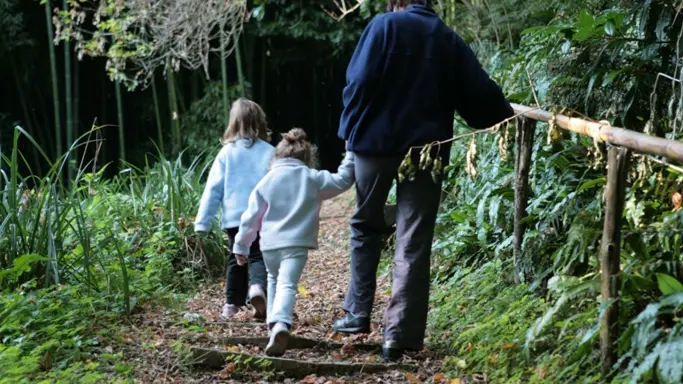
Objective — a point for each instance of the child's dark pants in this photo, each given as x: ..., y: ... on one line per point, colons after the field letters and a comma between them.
x: 237, y: 277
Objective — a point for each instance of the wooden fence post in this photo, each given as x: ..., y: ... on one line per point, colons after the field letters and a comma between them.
x: 610, y: 249
x: 524, y: 141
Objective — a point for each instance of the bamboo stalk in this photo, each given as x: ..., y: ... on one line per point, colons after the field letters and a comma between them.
x: 262, y: 93
x: 636, y: 141
x: 55, y: 81
x: 240, y: 72
x: 77, y: 98
x: 224, y: 80
x: 610, y: 248
x: 524, y: 143
x: 25, y: 109
x: 173, y: 103
x: 119, y: 111
x: 69, y: 104
x: 157, y: 115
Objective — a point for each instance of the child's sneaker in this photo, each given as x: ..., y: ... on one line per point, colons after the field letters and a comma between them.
x: 257, y: 298
x: 229, y: 311
x: 279, y: 337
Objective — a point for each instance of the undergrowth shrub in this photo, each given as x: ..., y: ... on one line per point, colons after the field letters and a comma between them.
x: 74, y: 260
x: 58, y: 334
x: 546, y: 330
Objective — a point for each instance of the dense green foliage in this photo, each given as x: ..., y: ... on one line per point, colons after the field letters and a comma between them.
x: 600, y: 58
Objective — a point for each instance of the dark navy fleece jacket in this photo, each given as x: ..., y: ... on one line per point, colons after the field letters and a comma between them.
x: 408, y: 76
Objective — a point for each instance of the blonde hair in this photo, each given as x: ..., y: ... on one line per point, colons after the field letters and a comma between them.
x: 247, y: 121
x: 294, y: 145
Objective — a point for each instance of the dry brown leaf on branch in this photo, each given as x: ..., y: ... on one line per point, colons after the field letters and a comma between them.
x: 677, y: 201
x: 472, y: 159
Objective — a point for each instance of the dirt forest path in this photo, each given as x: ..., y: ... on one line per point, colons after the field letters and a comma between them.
x: 165, y: 347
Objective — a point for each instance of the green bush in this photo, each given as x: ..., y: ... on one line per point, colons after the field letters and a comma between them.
x: 74, y: 260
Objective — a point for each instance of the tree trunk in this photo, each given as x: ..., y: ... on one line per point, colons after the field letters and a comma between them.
x: 55, y: 80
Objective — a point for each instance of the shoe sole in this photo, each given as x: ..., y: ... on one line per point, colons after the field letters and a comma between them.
x: 356, y: 330
x: 279, y: 345
x: 259, y: 304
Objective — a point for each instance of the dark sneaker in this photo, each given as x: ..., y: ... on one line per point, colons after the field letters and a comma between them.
x: 352, y: 324
x: 392, y: 351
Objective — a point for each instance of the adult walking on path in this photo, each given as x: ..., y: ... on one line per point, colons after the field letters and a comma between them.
x: 408, y: 76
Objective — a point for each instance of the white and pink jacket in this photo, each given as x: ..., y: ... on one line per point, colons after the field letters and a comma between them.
x: 284, y: 207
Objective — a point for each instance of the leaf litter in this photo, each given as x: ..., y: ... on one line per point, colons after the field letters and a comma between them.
x: 158, y: 339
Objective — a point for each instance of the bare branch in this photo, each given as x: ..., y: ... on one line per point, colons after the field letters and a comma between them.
x: 139, y: 36
x: 342, y: 9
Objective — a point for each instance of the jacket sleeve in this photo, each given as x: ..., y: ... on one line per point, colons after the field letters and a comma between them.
x: 363, y: 73
x: 250, y: 223
x: 333, y: 184
x: 478, y: 100
x: 212, y: 195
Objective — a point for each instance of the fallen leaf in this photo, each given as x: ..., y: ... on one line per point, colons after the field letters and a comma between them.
x: 228, y: 371
x: 439, y: 377
x: 492, y: 359
x: 509, y: 346
x: 347, y: 349
x: 302, y: 291
x: 233, y: 348
x: 46, y: 361
x: 372, y: 358
x: 542, y: 372
x: 412, y: 378
x: 677, y: 200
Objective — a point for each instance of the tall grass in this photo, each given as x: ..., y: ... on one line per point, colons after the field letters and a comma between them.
x: 101, y: 234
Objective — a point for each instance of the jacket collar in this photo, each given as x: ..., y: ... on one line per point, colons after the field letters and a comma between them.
x: 421, y: 9
x: 288, y: 162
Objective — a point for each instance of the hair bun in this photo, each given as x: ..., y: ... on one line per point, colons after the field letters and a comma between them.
x: 294, y: 135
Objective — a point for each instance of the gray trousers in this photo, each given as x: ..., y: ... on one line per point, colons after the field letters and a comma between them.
x: 417, y: 207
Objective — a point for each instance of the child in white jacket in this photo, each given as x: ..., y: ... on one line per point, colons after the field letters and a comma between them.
x: 240, y: 165
x: 285, y: 208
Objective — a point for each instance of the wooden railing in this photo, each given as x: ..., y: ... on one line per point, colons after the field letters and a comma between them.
x: 622, y: 143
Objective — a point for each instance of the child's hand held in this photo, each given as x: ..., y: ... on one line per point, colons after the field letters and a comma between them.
x: 241, y: 259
